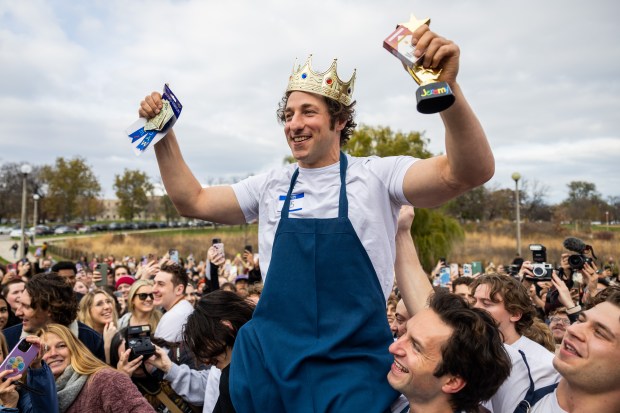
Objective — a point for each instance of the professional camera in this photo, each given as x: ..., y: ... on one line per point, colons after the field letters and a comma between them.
x: 540, y: 268
x: 138, y: 339
x: 577, y: 261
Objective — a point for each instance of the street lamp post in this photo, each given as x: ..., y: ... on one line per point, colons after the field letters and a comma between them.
x: 26, y: 169
x: 515, y: 177
x: 36, y: 198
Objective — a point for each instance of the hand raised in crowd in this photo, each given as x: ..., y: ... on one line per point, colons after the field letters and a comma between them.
x: 248, y: 260
x: 437, y: 268
x: 8, y: 391
x: 8, y: 277
x: 128, y: 367
x: 536, y: 300
x: 590, y: 278
x: 526, y: 270
x: 24, y: 269
x: 97, y: 277
x: 564, y: 295
x: 147, y: 271
x: 159, y: 360
x: 406, y: 216
x: 165, y: 259
x: 564, y: 263
x: 215, y: 256
x: 36, y: 363
x: 109, y: 330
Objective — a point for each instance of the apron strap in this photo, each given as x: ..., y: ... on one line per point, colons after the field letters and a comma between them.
x: 343, y: 205
x: 287, y: 201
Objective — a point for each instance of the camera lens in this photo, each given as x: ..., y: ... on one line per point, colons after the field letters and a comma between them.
x: 539, y: 271
x: 576, y: 261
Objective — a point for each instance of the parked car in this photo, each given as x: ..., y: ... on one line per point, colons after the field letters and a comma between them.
x: 64, y: 229
x: 114, y: 226
x: 17, y: 233
x: 84, y: 229
x: 5, y: 230
x: 41, y: 230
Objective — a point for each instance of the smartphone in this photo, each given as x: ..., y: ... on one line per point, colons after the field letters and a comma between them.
x: 476, y: 267
x: 219, y: 246
x: 174, y: 255
x: 20, y: 358
x: 103, y: 269
x: 467, y: 270
x: 454, y: 270
x: 248, y: 248
x: 78, y: 267
x: 11, y: 267
x: 444, y: 276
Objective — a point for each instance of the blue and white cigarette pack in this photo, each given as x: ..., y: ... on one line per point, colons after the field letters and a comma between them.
x: 140, y: 138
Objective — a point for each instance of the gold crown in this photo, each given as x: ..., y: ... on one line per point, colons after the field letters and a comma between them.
x: 327, y: 83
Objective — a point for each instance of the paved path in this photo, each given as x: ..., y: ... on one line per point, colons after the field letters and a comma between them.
x: 7, y: 253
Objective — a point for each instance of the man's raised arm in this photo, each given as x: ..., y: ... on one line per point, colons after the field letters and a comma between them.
x: 468, y: 161
x: 215, y: 204
x: 412, y: 281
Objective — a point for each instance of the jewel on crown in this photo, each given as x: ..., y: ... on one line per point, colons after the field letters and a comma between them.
x: 327, y: 84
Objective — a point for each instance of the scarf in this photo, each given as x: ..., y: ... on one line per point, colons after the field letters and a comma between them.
x: 69, y: 385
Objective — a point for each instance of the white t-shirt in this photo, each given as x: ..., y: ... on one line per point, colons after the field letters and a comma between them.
x: 548, y: 404
x: 374, y: 191
x: 540, y: 361
x: 514, y: 389
x: 170, y: 327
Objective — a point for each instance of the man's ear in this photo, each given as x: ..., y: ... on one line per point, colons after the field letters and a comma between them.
x: 340, y: 124
x: 516, y: 316
x: 453, y: 384
x: 179, y: 290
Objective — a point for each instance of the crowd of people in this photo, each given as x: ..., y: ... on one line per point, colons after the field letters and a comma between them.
x: 80, y: 314
x: 477, y: 341
x: 339, y: 268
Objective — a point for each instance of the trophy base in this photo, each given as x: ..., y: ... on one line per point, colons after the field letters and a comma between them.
x: 434, y: 97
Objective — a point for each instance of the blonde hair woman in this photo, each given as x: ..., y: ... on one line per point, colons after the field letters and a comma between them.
x: 140, y: 308
x: 98, y: 308
x: 83, y: 382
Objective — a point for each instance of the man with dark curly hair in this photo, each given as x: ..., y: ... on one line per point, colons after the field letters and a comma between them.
x: 48, y: 298
x: 450, y: 359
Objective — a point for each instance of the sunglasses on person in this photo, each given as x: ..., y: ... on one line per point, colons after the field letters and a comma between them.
x: 144, y: 296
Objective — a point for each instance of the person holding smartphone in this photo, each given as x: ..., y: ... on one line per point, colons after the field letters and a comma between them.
x: 22, y: 399
x: 48, y: 298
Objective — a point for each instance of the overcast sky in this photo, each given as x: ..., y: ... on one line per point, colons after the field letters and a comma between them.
x: 541, y: 75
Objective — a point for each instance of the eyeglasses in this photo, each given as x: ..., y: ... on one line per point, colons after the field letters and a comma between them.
x: 144, y: 296
x: 564, y: 321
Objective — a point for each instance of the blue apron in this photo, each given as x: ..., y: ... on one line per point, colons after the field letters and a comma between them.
x: 318, y: 341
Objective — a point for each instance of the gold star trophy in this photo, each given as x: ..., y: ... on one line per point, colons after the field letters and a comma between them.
x: 432, y: 96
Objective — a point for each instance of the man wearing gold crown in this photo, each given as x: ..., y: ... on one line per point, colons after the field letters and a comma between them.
x: 318, y: 341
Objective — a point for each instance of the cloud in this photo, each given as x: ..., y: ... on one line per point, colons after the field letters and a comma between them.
x: 541, y: 77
